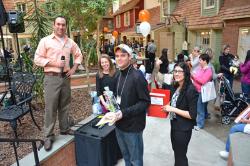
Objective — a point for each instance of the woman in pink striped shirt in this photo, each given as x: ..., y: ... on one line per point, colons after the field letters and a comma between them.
x: 200, y: 77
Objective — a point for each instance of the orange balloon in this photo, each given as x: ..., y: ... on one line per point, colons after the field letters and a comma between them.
x: 144, y: 15
x: 105, y: 29
x: 115, y: 34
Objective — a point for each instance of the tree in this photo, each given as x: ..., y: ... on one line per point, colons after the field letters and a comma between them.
x: 85, y: 16
x: 39, y: 20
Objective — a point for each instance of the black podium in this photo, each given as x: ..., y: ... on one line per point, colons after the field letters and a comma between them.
x: 96, y: 147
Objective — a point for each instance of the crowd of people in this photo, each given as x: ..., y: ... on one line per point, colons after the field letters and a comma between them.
x: 130, y: 88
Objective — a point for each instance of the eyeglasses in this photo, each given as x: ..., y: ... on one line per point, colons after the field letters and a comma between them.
x: 178, y: 71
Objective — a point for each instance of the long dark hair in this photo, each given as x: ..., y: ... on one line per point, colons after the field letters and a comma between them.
x: 247, y: 57
x: 186, y: 73
x: 164, y: 55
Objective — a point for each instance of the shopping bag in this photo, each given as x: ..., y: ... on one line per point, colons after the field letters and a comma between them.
x: 208, y: 92
x: 159, y: 98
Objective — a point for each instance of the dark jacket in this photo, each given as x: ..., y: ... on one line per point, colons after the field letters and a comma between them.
x: 226, y: 61
x: 164, y: 66
x: 187, y: 101
x: 135, y: 100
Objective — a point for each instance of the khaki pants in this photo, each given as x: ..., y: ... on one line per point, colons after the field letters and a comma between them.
x: 57, y: 101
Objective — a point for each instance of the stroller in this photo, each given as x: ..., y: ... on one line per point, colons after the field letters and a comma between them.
x: 232, y: 104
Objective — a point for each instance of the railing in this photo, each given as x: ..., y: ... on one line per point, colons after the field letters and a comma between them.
x: 16, y: 141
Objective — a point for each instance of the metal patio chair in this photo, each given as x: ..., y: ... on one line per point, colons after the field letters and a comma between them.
x: 21, y: 97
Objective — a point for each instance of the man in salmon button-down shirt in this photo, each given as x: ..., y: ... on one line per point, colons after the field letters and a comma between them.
x: 57, y: 72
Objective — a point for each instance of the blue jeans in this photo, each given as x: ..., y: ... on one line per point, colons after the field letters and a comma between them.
x: 131, y: 145
x: 205, y: 110
x: 230, y: 78
x: 246, y: 90
x: 234, y: 129
x: 200, y: 112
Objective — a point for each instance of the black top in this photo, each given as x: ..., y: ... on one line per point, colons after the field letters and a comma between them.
x: 187, y: 101
x: 226, y: 61
x: 135, y: 100
x: 106, y: 80
x: 164, y: 65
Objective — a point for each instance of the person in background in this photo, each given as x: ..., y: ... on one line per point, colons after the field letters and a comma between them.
x: 163, y: 61
x: 194, y: 59
x: 245, y: 79
x: 151, y: 50
x: 140, y: 68
x: 226, y: 61
x: 201, y: 77
x: 182, y: 112
x: 57, y: 92
x: 133, y: 97
x: 162, y: 65
x: 105, y: 77
x: 215, y: 76
x: 111, y: 50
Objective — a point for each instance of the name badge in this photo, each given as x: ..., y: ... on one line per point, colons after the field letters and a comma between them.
x: 118, y: 100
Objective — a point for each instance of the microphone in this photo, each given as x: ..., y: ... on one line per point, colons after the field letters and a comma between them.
x: 62, y: 59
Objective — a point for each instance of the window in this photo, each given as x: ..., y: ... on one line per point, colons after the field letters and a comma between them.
x: 21, y: 7
x: 209, y: 4
x: 165, y: 8
x: 118, y: 21
x: 203, y: 39
x: 243, y: 43
x: 127, y: 19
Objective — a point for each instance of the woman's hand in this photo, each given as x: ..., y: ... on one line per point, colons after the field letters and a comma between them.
x: 168, y: 108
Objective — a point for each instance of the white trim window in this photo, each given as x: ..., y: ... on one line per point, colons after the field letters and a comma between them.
x: 165, y: 8
x: 209, y: 4
x: 118, y: 21
x: 203, y: 39
x: 243, y: 42
x: 21, y: 7
x: 127, y: 19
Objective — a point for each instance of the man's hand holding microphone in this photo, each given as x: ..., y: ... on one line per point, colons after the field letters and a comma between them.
x: 62, y: 63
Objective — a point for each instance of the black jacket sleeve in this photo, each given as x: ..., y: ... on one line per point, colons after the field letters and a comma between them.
x: 192, y: 96
x: 143, y: 100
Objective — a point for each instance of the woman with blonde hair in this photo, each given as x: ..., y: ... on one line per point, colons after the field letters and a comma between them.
x: 105, y: 77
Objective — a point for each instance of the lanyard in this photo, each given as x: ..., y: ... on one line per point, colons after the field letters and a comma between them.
x: 123, y: 83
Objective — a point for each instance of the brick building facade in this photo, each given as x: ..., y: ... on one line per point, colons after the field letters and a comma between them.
x: 236, y: 31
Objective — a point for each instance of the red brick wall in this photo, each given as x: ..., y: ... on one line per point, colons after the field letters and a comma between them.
x: 154, y: 15
x: 132, y: 18
x: 235, y: 3
x: 64, y: 157
x: 134, y: 14
x: 231, y: 32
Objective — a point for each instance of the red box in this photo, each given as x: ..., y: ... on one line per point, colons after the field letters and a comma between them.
x: 159, y: 98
